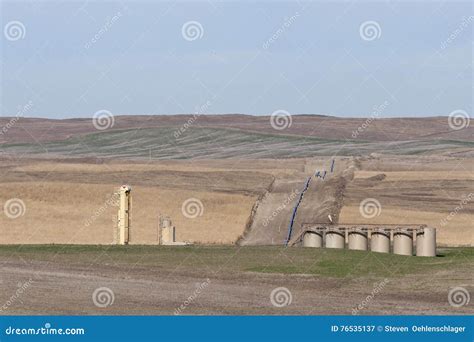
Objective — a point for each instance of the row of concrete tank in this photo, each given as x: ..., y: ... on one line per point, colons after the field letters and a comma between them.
x: 380, y: 240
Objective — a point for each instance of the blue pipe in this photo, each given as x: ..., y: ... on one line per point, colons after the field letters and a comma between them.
x: 295, y: 209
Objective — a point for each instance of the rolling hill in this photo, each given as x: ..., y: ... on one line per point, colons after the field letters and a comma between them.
x: 228, y: 136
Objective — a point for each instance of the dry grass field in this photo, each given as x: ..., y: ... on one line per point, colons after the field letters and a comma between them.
x: 432, y: 191
x: 70, y: 203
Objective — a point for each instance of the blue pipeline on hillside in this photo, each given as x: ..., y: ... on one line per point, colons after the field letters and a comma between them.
x: 295, y: 209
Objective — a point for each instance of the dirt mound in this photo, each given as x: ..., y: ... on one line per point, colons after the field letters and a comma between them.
x: 323, y: 198
x: 379, y: 177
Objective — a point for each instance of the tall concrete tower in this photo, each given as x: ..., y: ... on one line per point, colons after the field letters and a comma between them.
x: 125, y: 204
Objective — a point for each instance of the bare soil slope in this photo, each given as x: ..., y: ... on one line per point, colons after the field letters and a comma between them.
x: 270, y: 224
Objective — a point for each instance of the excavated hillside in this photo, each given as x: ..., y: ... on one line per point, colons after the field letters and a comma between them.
x: 270, y: 223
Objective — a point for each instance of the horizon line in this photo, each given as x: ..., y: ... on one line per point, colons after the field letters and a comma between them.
x: 373, y: 117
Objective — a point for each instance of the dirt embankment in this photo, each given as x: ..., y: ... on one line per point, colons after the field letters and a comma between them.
x: 253, y: 212
x: 323, y: 198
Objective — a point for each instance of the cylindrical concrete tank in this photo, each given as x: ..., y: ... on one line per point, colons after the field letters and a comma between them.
x: 380, y: 241
x: 426, y: 242
x: 358, y: 239
x: 335, y: 238
x: 313, y: 239
x: 403, y: 242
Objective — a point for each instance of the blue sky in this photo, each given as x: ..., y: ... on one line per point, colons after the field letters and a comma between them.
x: 76, y: 58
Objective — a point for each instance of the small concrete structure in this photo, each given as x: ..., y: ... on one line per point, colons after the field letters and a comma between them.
x: 426, y: 242
x: 313, y: 239
x: 403, y: 242
x: 380, y: 241
x: 167, y: 233
x: 335, y: 238
x: 358, y: 239
x: 123, y: 221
